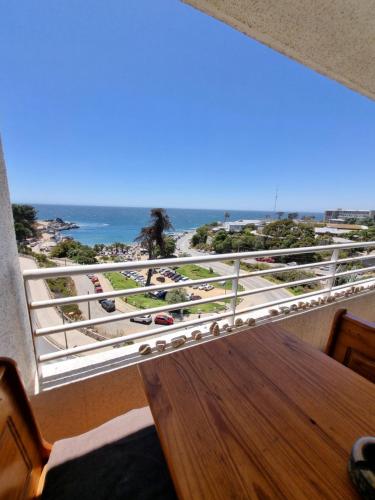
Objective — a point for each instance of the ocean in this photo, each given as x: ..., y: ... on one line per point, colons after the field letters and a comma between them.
x: 111, y: 224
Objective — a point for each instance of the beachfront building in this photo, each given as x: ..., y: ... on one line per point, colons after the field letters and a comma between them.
x: 342, y: 215
x: 250, y: 402
x: 239, y: 225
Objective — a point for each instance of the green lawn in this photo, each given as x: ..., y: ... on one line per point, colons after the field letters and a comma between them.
x: 194, y: 272
x: 141, y: 301
x: 60, y: 287
x: 295, y: 290
x: 64, y: 287
x: 246, y: 266
x: 207, y: 308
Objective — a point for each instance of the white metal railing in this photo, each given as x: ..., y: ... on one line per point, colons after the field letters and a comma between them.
x: 329, y: 289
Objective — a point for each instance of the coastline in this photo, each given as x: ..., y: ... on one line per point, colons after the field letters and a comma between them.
x: 109, y: 225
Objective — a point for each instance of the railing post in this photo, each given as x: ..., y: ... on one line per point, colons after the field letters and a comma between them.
x: 32, y: 328
x: 233, y: 305
x: 332, y: 269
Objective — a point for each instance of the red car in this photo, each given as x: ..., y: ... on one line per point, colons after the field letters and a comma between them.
x: 98, y: 289
x: 94, y: 279
x: 265, y: 259
x: 163, y: 319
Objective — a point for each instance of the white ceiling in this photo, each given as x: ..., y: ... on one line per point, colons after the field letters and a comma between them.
x: 334, y: 37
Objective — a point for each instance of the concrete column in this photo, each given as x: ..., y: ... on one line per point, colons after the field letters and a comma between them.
x: 15, y: 331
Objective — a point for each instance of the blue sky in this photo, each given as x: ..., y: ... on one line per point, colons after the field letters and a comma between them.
x: 152, y: 103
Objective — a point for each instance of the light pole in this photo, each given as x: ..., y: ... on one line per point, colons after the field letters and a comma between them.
x: 66, y: 338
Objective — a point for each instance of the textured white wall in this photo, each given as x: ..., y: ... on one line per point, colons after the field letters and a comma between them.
x: 334, y: 37
x: 15, y: 335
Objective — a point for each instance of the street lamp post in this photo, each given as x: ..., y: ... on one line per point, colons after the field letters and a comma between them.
x: 65, y: 337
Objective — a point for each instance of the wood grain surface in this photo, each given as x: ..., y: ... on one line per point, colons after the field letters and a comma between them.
x: 258, y: 414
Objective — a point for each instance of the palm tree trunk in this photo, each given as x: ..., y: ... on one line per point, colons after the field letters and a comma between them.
x: 150, y: 257
x: 149, y: 275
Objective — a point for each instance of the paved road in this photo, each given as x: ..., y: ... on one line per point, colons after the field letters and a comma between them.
x: 50, y: 317
x: 183, y: 246
x: 95, y: 310
x: 118, y: 328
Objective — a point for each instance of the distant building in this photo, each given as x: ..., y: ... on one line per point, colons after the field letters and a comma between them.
x: 331, y: 230
x: 239, y: 225
x: 341, y: 215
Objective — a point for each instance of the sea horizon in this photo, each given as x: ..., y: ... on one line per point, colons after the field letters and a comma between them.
x: 104, y: 224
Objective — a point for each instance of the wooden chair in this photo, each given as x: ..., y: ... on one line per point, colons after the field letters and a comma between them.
x: 23, y: 452
x: 122, y: 455
x: 352, y: 343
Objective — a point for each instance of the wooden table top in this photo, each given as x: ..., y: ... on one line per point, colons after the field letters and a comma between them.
x: 258, y: 414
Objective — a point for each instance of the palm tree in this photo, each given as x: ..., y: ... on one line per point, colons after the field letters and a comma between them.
x: 152, y: 237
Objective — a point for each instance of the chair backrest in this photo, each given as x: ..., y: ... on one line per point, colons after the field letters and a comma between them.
x: 23, y: 452
x: 352, y: 343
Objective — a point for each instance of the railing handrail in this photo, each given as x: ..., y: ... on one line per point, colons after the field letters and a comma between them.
x: 231, y: 312
x: 50, y: 272
x: 127, y: 291
x: 186, y: 324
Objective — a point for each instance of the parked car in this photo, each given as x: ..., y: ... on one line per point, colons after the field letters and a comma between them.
x: 90, y: 276
x: 94, y: 279
x: 193, y: 296
x: 163, y: 319
x: 160, y: 294
x: 108, y: 305
x: 265, y: 259
x: 145, y: 319
x: 97, y: 284
x: 98, y: 289
x: 208, y: 288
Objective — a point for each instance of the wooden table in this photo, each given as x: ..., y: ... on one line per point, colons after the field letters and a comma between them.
x: 258, y: 414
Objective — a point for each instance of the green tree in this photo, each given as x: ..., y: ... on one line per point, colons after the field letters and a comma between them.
x: 152, y: 237
x: 24, y: 221
x: 98, y: 247
x: 176, y: 296
x: 288, y: 234
x: 169, y: 247
x: 292, y: 215
x: 75, y: 251
x: 222, y: 242
x: 363, y: 234
x: 368, y: 221
x: 200, y: 235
